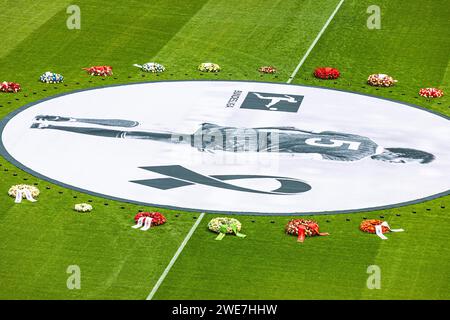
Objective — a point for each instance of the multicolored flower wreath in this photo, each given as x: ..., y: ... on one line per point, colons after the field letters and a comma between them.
x: 430, y: 93
x: 369, y: 226
x: 381, y: 80
x: 326, y: 73
x: 83, y: 207
x: 99, y: 71
x: 12, y: 192
x: 50, y: 77
x: 224, y: 226
x: 9, y: 87
x: 302, y: 228
x: 157, y: 217
x: 209, y: 67
x: 267, y: 69
x: 152, y: 67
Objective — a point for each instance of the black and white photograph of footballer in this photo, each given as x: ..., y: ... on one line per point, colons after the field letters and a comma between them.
x: 330, y: 145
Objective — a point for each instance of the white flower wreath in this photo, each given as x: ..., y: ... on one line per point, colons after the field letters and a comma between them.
x: 209, y: 67
x: 22, y: 187
x: 83, y: 207
x: 152, y: 67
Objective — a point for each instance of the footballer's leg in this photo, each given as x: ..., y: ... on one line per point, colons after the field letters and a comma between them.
x: 101, y: 132
x: 103, y: 122
x: 111, y: 133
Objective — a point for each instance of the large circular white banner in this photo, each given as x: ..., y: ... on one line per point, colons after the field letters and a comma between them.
x: 228, y: 146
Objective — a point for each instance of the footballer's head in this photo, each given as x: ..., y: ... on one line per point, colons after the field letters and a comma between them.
x: 404, y: 155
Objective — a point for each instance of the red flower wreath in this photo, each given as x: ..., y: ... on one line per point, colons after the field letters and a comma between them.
x: 157, y: 218
x: 327, y: 73
x: 99, y: 71
x: 369, y: 226
x: 267, y: 69
x: 10, y: 87
x: 431, y: 93
x: 302, y: 227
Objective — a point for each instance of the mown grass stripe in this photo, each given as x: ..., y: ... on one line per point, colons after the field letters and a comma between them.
x: 175, y: 257
x: 311, y: 47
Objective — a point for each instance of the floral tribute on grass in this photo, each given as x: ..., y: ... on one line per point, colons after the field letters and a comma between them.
x: 103, y: 71
x: 209, y: 67
x: 327, y: 73
x: 267, y: 69
x: 21, y: 191
x: 381, y: 80
x: 9, y: 87
x: 51, y: 77
x: 223, y: 226
x: 83, y: 207
x: 378, y: 227
x: 152, y: 67
x: 431, y: 93
x: 302, y: 228
x: 145, y: 220
x: 369, y: 226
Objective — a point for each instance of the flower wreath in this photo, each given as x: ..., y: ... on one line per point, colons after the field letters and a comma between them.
x: 431, y: 93
x: 209, y: 67
x: 50, y: 77
x: 380, y: 80
x: 157, y: 217
x: 302, y: 228
x: 222, y: 226
x: 12, y: 192
x: 151, y: 67
x: 267, y: 69
x: 10, y: 87
x: 83, y: 207
x: 327, y: 73
x: 99, y: 71
x: 377, y: 226
x: 369, y: 226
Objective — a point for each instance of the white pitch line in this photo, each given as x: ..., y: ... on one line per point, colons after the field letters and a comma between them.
x: 314, y: 42
x: 175, y: 257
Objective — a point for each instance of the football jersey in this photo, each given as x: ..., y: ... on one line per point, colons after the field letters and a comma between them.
x: 329, y: 144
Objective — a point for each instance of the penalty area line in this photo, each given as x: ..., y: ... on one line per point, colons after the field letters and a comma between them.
x: 311, y: 47
x: 175, y: 257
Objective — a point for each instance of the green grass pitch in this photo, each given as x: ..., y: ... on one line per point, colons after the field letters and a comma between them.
x: 39, y: 241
